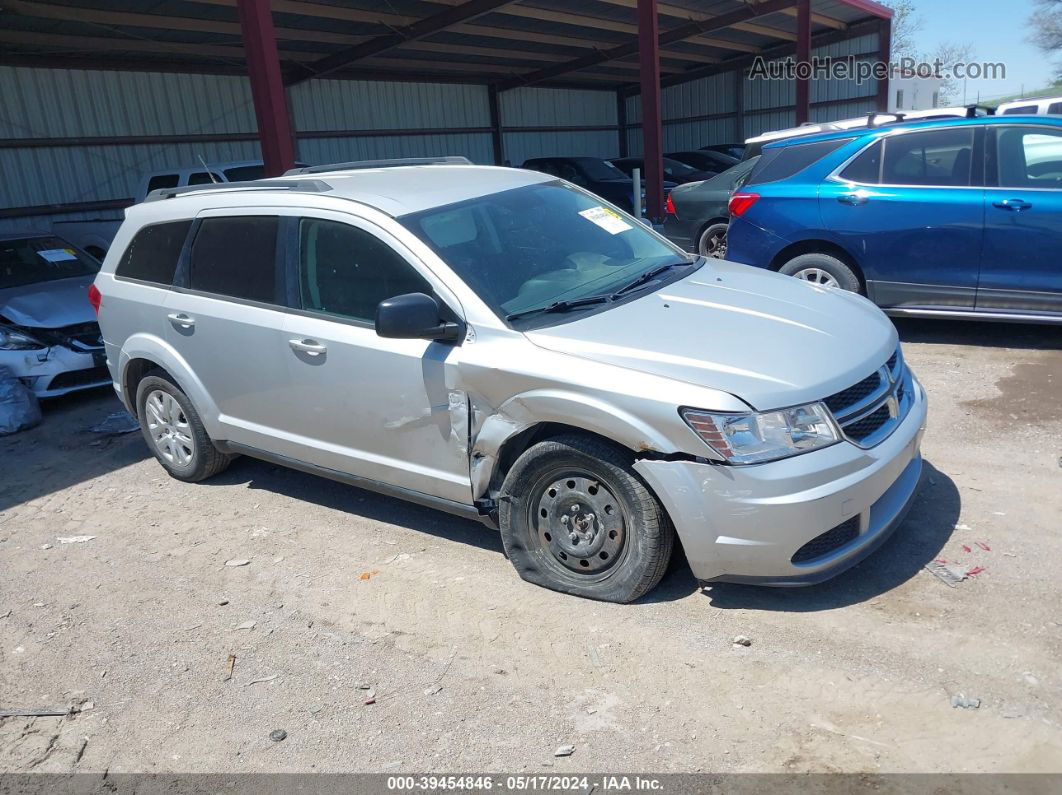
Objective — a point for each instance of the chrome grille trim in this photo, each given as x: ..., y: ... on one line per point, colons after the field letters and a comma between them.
x: 894, y: 393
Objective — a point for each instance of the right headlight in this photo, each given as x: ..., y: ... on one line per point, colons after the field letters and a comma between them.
x: 12, y: 340
x: 757, y: 437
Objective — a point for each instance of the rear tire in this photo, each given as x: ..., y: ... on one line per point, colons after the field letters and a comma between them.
x: 712, y: 241
x: 576, y: 518
x: 822, y: 270
x: 174, y: 432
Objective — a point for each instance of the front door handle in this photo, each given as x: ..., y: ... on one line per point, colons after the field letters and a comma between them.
x: 1012, y: 204
x: 311, y: 347
x: 852, y: 198
x: 181, y: 319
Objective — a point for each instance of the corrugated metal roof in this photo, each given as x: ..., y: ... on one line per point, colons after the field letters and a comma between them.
x: 204, y: 35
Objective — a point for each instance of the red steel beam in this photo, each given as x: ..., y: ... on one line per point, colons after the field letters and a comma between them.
x: 803, y: 56
x: 884, y: 53
x: 652, y: 144
x: 267, y: 86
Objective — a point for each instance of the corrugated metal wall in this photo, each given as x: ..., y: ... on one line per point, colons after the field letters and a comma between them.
x: 705, y: 111
x: 556, y: 107
x: 323, y: 105
x: 399, y: 119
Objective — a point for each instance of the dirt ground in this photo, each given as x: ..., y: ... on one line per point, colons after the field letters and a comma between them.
x: 349, y: 597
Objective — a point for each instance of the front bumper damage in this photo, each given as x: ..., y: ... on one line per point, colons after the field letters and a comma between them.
x: 746, y: 524
x: 69, y: 364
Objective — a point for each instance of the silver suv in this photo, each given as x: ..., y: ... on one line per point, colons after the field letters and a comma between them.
x: 505, y: 346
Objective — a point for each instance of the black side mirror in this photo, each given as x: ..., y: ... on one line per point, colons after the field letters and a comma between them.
x: 414, y: 316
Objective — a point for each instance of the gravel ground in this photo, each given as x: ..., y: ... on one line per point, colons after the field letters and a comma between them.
x: 350, y: 598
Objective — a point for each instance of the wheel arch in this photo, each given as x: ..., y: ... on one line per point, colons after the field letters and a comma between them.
x: 818, y: 246
x: 502, y: 437
x: 143, y: 353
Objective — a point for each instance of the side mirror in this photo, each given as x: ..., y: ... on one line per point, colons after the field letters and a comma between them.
x: 413, y: 316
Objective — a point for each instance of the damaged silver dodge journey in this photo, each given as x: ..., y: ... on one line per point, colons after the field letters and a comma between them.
x: 505, y: 346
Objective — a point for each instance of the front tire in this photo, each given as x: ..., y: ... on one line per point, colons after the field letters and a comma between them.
x: 822, y: 270
x: 174, y: 432
x: 576, y: 518
x: 712, y: 241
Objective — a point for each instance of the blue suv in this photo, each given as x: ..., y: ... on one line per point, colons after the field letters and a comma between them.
x: 958, y: 217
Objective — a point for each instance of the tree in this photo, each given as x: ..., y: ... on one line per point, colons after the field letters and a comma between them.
x: 1046, y: 23
x: 906, y: 25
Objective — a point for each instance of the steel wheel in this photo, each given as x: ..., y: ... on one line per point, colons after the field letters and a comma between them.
x: 713, y: 243
x: 168, y: 428
x: 816, y: 276
x: 579, y: 523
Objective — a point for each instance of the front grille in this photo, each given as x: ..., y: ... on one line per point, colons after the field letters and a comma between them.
x: 870, y: 410
x: 79, y: 337
x: 854, y: 394
x: 871, y: 423
x: 75, y: 378
x: 831, y: 540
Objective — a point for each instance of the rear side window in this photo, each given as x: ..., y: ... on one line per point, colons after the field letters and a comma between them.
x: 153, y: 253
x: 203, y: 178
x: 866, y: 167
x: 1055, y: 107
x: 163, y: 181
x: 236, y: 257
x: 1029, y: 157
x: 935, y: 157
x: 346, y: 271
x: 1020, y: 109
x: 784, y: 162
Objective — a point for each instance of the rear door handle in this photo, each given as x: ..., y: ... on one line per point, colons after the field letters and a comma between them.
x: 852, y: 198
x: 1012, y: 204
x: 311, y: 347
x: 181, y: 319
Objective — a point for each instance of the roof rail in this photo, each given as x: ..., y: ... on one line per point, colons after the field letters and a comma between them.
x: 357, y: 165
x: 971, y: 110
x: 302, y: 186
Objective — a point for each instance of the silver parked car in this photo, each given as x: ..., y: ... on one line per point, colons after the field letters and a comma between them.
x: 506, y: 346
x: 48, y: 332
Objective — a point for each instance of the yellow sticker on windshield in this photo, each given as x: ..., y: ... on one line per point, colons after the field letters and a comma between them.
x: 609, y: 220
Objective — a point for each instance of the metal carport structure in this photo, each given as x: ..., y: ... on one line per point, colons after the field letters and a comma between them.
x: 634, y: 48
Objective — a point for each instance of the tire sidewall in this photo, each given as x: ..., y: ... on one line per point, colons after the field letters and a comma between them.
x: 844, y: 274
x: 519, y: 536
x: 197, y: 467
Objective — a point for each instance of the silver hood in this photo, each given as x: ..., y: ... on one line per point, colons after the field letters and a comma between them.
x: 771, y: 340
x: 63, y: 302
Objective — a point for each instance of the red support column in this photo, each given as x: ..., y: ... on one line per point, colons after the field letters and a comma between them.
x: 803, y: 56
x: 884, y: 54
x: 652, y: 152
x: 267, y: 86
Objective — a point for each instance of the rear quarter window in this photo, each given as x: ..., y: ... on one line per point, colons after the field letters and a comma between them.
x: 152, y: 254
x: 784, y: 162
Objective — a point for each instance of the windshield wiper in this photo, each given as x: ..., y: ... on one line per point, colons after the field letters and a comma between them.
x: 648, y: 276
x: 561, y: 306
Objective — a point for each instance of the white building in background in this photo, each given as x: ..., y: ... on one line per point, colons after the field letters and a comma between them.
x: 914, y: 93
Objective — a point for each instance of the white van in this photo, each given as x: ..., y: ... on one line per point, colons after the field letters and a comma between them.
x: 1032, y: 107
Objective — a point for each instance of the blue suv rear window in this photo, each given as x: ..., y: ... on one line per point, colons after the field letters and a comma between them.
x: 785, y: 161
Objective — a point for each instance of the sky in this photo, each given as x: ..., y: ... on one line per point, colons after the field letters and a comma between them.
x: 997, y: 30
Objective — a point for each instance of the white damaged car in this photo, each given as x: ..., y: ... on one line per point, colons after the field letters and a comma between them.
x: 49, y: 336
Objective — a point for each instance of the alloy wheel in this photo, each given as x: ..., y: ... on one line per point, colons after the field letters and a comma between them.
x: 817, y: 276
x: 168, y: 428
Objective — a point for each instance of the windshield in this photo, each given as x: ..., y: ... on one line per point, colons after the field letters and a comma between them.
x: 597, y: 169
x: 529, y: 247
x: 30, y: 260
